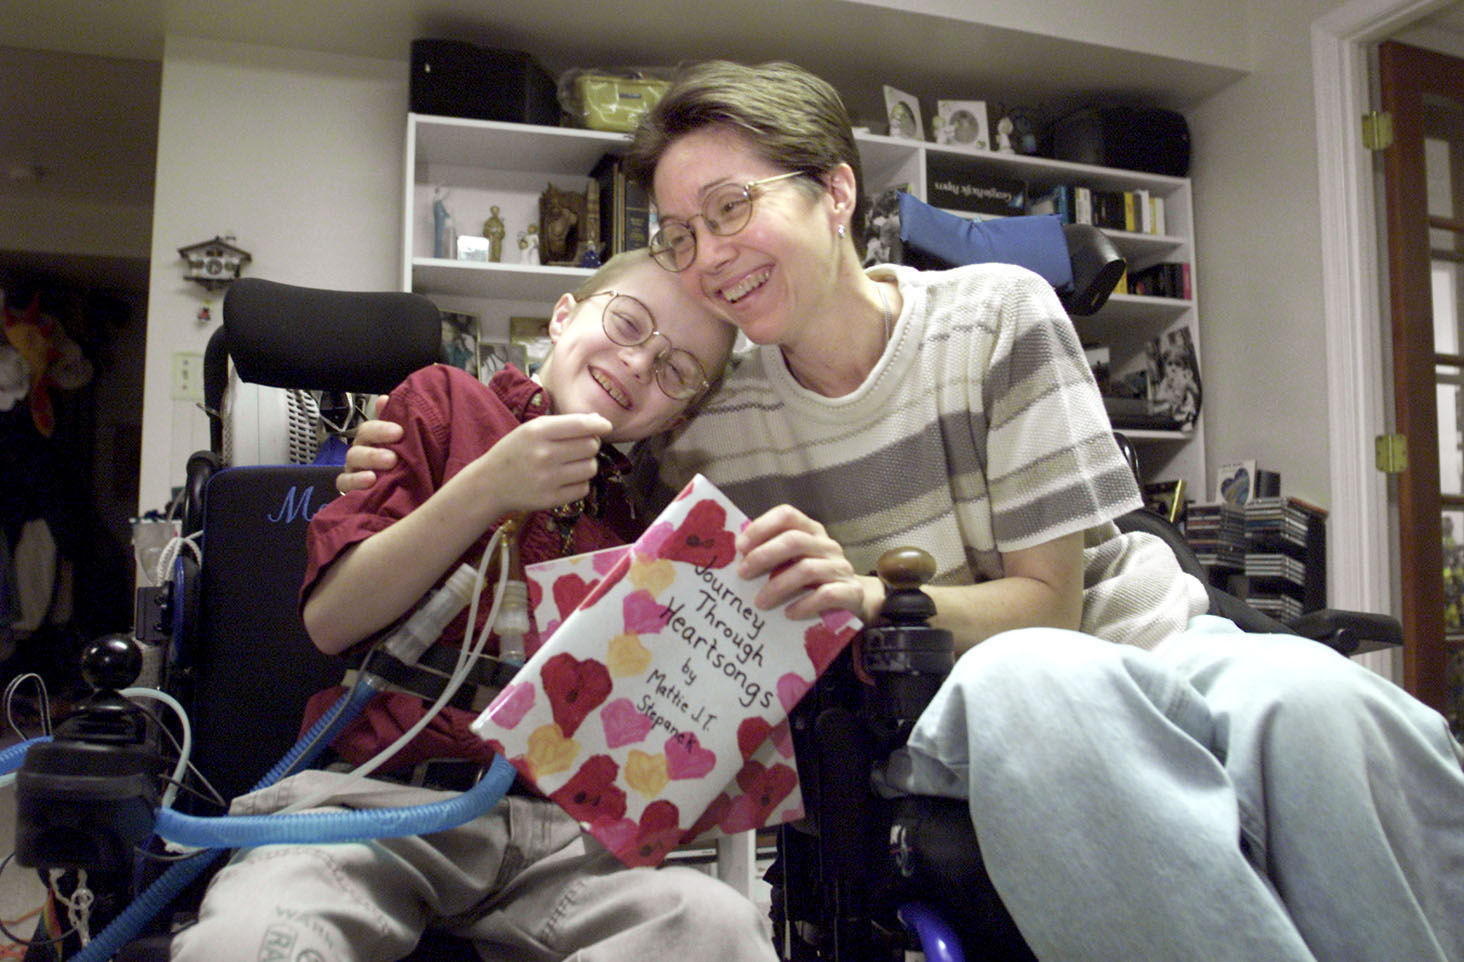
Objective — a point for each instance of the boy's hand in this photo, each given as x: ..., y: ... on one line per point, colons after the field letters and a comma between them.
x: 807, y: 567
x: 546, y: 462
x: 368, y: 453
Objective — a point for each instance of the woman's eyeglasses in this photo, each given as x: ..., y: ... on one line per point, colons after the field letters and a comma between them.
x: 725, y: 211
x: 629, y: 323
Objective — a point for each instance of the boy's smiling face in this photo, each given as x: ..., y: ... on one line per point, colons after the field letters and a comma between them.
x: 587, y: 372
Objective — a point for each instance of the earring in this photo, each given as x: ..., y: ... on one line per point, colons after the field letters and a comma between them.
x: 841, y: 230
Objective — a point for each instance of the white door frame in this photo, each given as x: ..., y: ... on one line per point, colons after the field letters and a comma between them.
x: 1362, y: 553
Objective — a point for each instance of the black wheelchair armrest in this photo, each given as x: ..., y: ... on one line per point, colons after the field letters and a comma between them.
x: 1350, y: 632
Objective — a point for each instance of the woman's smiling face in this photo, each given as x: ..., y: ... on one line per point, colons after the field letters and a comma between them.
x: 771, y: 277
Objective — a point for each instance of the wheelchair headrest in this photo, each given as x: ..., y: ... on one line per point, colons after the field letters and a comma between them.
x: 1034, y: 242
x: 280, y: 335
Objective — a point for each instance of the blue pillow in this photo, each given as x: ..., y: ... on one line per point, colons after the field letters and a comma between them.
x: 1035, y: 242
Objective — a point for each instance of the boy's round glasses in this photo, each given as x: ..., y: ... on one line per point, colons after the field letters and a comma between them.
x: 629, y: 323
x: 726, y: 210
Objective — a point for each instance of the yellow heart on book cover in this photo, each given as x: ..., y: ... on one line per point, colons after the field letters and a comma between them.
x: 656, y: 711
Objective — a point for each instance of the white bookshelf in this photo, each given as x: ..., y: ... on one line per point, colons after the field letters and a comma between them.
x: 482, y: 164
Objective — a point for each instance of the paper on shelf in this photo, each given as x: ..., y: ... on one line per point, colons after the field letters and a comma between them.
x: 655, y: 709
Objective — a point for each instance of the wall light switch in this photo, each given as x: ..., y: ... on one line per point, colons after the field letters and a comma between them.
x: 187, y: 377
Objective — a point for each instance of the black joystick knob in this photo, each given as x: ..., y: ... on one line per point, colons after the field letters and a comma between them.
x: 112, y: 661
x: 906, y: 657
x: 904, y: 571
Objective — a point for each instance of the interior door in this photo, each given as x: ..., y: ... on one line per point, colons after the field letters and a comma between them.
x: 1423, y: 92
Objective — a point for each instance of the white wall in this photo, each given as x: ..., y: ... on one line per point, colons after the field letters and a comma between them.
x: 1258, y: 250
x: 297, y: 154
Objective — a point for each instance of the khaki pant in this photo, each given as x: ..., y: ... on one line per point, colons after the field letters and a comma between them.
x: 521, y: 881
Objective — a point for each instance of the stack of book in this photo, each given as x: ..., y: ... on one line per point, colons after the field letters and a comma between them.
x: 1135, y: 211
x: 1216, y: 532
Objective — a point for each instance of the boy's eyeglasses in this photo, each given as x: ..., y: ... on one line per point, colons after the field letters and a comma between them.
x: 725, y: 211
x: 629, y: 323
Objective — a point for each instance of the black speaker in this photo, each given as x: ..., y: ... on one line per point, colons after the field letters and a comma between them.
x: 1133, y: 138
x: 455, y: 78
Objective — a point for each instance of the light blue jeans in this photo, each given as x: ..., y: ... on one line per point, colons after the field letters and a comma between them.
x: 1223, y: 797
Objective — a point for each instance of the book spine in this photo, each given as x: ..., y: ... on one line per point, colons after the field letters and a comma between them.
x: 637, y: 216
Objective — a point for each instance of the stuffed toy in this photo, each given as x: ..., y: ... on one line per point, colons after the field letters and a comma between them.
x: 51, y: 358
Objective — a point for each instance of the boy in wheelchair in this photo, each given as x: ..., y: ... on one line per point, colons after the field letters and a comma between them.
x: 521, y: 879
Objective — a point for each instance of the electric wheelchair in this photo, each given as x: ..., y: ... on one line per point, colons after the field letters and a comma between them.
x: 841, y: 880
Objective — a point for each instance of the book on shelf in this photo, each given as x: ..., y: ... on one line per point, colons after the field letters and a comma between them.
x: 1059, y: 200
x: 1167, y: 279
x: 654, y: 703
x: 954, y: 184
x: 1138, y: 211
x: 624, y: 208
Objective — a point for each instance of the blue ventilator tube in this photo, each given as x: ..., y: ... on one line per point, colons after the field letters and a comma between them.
x: 12, y: 757
x: 157, y: 896
x: 216, y: 834
x: 244, y: 831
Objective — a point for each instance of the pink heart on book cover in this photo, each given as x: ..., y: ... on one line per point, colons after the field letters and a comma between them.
x: 643, y: 614
x: 791, y: 688
x: 685, y: 758
x: 513, y: 703
x: 575, y: 688
x: 591, y: 792
x: 623, y: 724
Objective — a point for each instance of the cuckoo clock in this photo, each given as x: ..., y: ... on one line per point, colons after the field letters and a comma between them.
x: 214, y: 263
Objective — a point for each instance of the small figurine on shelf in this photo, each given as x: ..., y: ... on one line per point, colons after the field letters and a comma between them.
x: 528, y: 241
x: 444, y: 232
x: 493, y: 230
x: 561, y: 217
x: 1004, y: 128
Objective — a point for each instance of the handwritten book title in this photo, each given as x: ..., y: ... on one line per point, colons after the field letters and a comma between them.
x: 655, y: 709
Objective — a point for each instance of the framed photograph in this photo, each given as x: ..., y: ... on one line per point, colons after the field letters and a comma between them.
x: 1235, y: 483
x: 962, y: 123
x: 472, y: 248
x: 904, y: 114
x: 494, y: 356
x: 1174, y: 376
x: 460, y: 340
x: 531, y: 333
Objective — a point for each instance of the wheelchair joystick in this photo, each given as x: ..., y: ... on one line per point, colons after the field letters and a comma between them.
x: 906, y: 657
x: 87, y: 797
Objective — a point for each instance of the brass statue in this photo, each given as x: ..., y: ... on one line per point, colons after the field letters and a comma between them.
x: 561, y: 218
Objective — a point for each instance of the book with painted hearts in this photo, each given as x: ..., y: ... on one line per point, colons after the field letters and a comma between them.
x: 655, y: 710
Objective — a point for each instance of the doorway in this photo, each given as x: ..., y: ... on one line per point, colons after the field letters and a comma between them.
x: 1423, y: 94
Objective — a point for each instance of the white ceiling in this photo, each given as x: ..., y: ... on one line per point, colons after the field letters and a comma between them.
x: 79, y: 79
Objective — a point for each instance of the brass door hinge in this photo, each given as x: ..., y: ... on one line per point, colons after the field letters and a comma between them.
x: 1392, y: 453
x: 1377, y: 130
